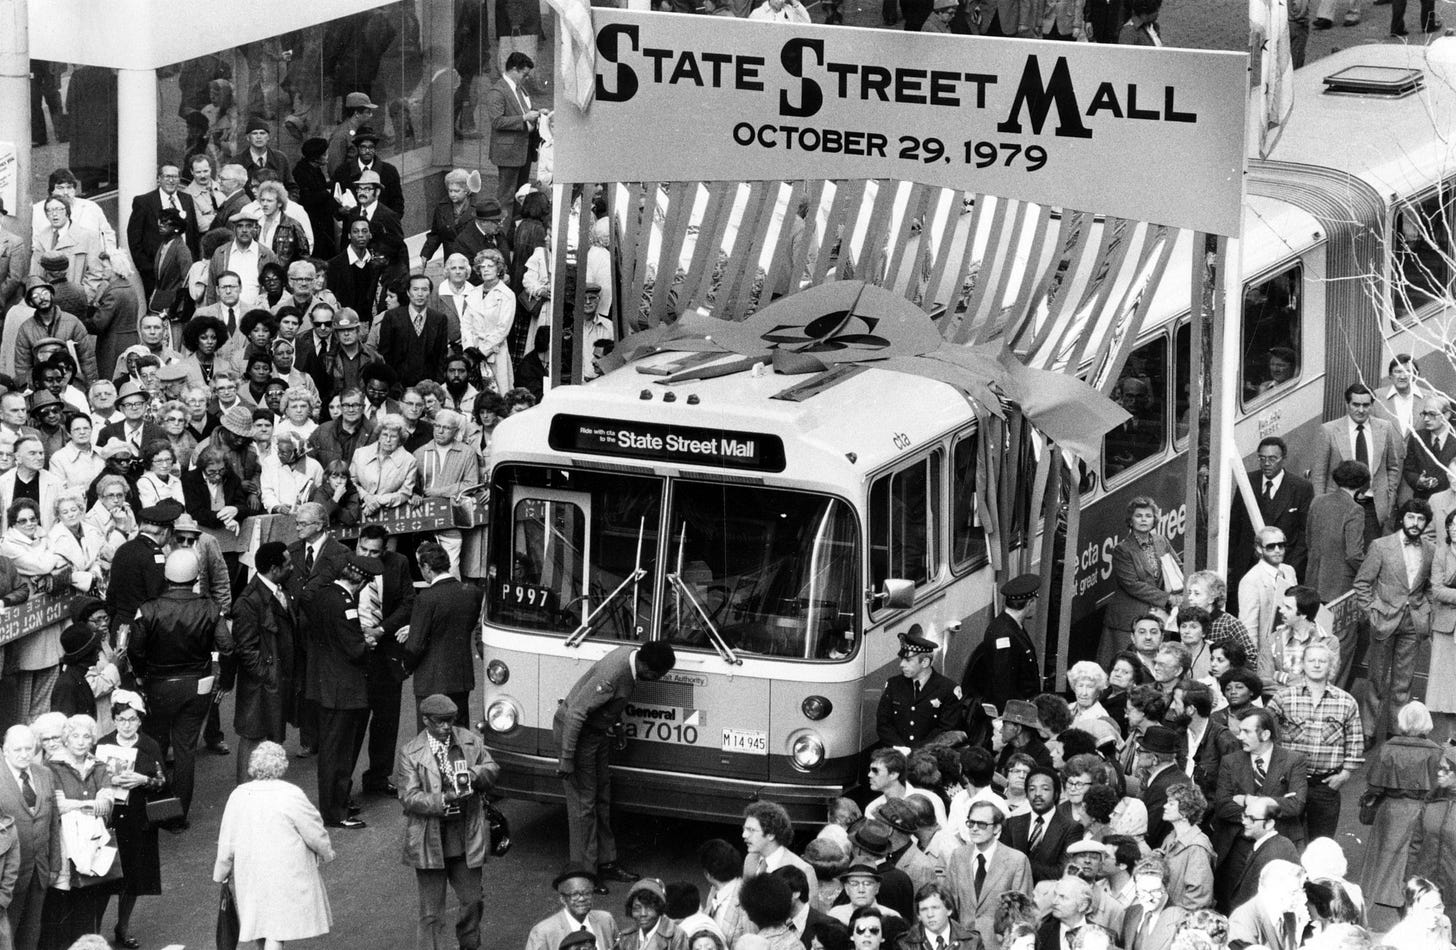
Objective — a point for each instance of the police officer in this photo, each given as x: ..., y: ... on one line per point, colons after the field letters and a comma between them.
x: 136, y: 569
x: 582, y: 730
x: 171, y: 647
x: 1004, y: 666
x: 919, y: 704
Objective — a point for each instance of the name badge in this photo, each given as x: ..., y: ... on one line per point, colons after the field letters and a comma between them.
x: 351, y: 614
x: 1003, y: 643
x: 160, y: 558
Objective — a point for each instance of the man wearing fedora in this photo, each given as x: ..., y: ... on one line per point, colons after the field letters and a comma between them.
x: 1158, y: 751
x: 442, y: 775
x: 920, y: 704
x: 872, y: 844
x: 371, y: 207
x: 134, y: 428
x: 1017, y: 730
x: 575, y: 888
x: 862, y: 885
x: 1004, y: 666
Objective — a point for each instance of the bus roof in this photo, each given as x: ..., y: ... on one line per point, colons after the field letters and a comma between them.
x: 1394, y: 143
x: 873, y: 415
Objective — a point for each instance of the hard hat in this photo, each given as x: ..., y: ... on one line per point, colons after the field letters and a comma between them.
x: 181, y: 567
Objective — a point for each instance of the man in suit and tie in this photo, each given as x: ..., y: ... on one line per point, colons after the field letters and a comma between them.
x: 317, y: 559
x: 513, y: 134
x: 366, y: 162
x: 1043, y: 833
x: 1261, y: 770
x: 1361, y: 438
x: 1271, y: 917
x: 134, y: 428
x: 264, y: 627
x: 371, y: 207
x: 142, y: 234
x: 981, y: 871
x: 1429, y: 450
x: 1240, y: 876
x: 27, y: 794
x: 232, y: 181
x: 412, y: 337
x: 1071, y: 903
x: 1150, y: 923
x: 259, y: 157
x: 338, y: 654
x: 1392, y: 589
x: 385, y: 603
x: 1283, y: 499
x: 441, y: 631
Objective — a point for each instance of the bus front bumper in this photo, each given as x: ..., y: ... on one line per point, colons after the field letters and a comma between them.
x: 654, y: 792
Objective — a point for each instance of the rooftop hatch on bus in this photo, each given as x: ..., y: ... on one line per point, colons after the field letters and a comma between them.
x: 1386, y: 82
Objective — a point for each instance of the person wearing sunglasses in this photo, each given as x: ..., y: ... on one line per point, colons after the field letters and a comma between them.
x: 1261, y: 590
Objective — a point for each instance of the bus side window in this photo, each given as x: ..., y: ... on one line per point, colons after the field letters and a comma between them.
x: 904, y: 515
x: 967, y: 538
x: 1420, y: 254
x: 1143, y: 392
x: 1182, y: 383
x: 1273, y: 315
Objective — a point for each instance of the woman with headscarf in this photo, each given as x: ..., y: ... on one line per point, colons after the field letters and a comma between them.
x: 133, y: 786
x: 33, y: 663
x: 453, y: 213
x: 88, y: 669
x: 152, y: 339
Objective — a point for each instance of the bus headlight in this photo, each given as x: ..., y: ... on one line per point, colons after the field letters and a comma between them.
x: 501, y: 716
x: 497, y: 672
x: 816, y: 708
x: 806, y: 751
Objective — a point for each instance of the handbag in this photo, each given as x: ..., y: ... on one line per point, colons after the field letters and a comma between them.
x: 229, y: 928
x: 1369, y: 804
x: 500, y: 830
x: 162, y: 810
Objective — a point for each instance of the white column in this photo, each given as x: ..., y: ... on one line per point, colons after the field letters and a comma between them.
x: 15, y: 103
x: 136, y: 138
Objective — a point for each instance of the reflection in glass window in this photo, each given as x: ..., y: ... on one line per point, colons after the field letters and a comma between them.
x: 769, y: 571
x: 904, y: 515
x: 1273, y: 310
x: 1143, y: 392
x: 968, y: 538
x: 1421, y: 249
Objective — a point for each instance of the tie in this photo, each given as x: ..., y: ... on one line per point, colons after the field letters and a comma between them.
x: 1289, y: 937
x: 940, y: 942
x: 1036, y: 832
x: 1269, y: 488
x: 1362, y: 448
x: 232, y: 322
x: 55, y: 238
x: 980, y: 873
x: 419, y: 320
x: 762, y: 864
x: 1259, y: 770
x: 27, y: 790
x: 308, y: 560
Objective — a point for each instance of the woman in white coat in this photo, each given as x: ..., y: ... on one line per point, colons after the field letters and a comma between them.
x: 33, y: 661
x: 78, y: 542
x: 488, y: 329
x: 270, y: 847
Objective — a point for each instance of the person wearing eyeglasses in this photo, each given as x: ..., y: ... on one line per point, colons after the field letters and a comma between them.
x: 1430, y: 448
x: 1283, y: 499
x: 985, y: 869
x: 575, y: 888
x: 1261, y: 589
x: 1262, y: 772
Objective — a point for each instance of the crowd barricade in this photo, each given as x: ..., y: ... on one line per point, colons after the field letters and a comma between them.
x: 431, y: 514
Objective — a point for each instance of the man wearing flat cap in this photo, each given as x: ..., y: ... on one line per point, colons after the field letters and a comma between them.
x: 576, y: 921
x: 1004, y: 666
x: 338, y: 654
x: 442, y: 775
x: 243, y: 256
x: 920, y: 704
x: 47, y: 319
x: 258, y: 157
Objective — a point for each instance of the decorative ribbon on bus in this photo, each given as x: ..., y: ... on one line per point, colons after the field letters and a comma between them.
x: 1149, y: 134
x: 38, y: 612
x: 849, y: 321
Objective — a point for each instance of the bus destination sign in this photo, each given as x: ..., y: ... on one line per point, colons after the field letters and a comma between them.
x: 657, y: 442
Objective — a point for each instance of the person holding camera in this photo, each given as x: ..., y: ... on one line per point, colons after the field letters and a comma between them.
x: 441, y: 775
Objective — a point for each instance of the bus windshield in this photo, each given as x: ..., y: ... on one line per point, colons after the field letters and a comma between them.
x: 773, y: 572
x: 762, y: 571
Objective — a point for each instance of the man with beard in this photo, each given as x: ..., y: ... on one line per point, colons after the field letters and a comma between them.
x: 1207, y: 742
x: 459, y: 394
x: 1392, y: 589
x: 48, y: 320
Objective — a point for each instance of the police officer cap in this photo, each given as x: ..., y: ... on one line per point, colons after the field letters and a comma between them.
x: 163, y: 512
x: 572, y: 871
x: 368, y: 566
x: 1020, y: 589
x: 578, y: 938
x: 913, y: 644
x: 439, y: 706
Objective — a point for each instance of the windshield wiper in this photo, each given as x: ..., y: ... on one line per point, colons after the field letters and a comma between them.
x: 638, y: 572
x: 714, y: 637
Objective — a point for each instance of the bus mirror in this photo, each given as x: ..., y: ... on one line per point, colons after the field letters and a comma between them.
x: 897, y: 594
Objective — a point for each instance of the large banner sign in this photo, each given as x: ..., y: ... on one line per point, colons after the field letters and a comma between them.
x: 1137, y: 132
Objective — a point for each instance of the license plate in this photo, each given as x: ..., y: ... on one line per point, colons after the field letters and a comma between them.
x: 744, y: 740
x: 529, y: 596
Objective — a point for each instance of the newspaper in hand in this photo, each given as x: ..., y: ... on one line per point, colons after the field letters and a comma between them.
x: 117, y: 759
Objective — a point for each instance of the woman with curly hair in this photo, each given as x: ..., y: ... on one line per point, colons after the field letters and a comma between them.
x: 204, y: 337
x: 1187, y: 849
